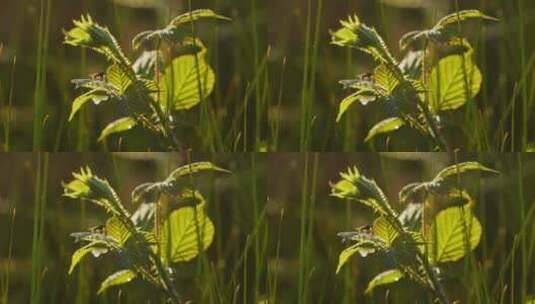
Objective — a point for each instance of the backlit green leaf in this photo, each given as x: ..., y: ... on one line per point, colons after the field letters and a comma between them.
x: 87, y: 186
x: 384, y: 230
x: 79, y: 254
x: 118, y: 78
x: 121, y: 125
x: 357, y: 35
x: 173, y: 32
x: 384, y: 278
x: 95, y: 95
x: 117, y: 230
x: 195, y: 16
x: 185, y: 233
x: 364, y: 97
x: 346, y: 254
x: 118, y: 278
x: 87, y: 33
x: 186, y: 82
x: 453, y: 82
x: 463, y: 168
x: 195, y: 168
x: 386, y: 79
x: 454, y: 232
x: 385, y: 126
x: 455, y: 18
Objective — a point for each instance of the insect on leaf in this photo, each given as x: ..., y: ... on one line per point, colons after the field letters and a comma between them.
x: 118, y: 278
x: 384, y: 278
x: 385, y: 126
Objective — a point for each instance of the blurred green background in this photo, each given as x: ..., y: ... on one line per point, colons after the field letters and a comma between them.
x: 276, y: 228
x: 502, y: 269
x: 277, y: 74
x: 231, y: 206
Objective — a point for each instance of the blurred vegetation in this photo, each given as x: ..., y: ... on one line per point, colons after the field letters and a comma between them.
x: 276, y: 228
x: 497, y: 272
x: 235, y: 205
x: 276, y: 75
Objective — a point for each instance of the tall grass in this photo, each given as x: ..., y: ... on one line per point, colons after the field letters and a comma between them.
x: 41, y: 74
x: 5, y: 279
x: 277, y: 89
x: 40, y: 195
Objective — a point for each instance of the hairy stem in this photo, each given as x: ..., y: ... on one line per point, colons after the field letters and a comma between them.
x: 436, y: 134
x: 437, y: 287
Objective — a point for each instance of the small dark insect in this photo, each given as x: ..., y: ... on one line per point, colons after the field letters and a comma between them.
x: 365, y: 229
x: 100, y: 76
x: 101, y: 229
x: 366, y: 77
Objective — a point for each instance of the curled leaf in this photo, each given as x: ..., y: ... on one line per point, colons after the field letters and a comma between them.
x: 79, y: 254
x: 465, y: 15
x: 357, y: 35
x: 118, y: 278
x: 87, y: 33
x: 385, y: 126
x: 121, y: 125
x: 463, y: 168
x: 173, y: 32
x: 384, y: 278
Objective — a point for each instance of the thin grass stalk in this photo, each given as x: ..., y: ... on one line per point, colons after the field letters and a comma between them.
x: 305, y: 102
x: 40, y: 76
x: 523, y: 71
x: 302, y: 231
x: 38, y: 226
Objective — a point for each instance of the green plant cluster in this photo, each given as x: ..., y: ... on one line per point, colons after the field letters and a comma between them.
x: 437, y: 74
x: 437, y: 226
x: 169, y: 226
x: 170, y: 75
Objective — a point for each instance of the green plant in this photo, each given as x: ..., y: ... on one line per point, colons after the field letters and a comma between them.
x: 145, y: 94
x: 169, y: 226
x: 437, y: 226
x: 437, y: 74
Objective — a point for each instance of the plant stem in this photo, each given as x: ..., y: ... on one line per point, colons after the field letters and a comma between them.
x: 437, y: 287
x: 437, y: 135
x: 168, y: 285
